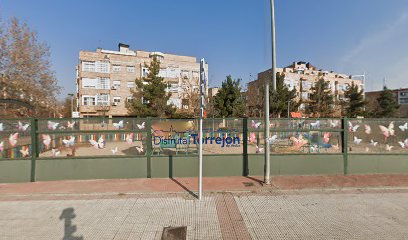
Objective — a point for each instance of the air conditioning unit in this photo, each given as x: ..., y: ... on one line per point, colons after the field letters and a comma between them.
x: 114, y: 104
x: 114, y: 88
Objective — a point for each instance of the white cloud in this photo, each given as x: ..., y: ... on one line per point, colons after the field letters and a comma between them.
x: 383, y: 53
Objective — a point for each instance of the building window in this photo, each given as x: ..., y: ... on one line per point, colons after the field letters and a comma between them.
x: 88, y: 100
x: 185, y: 74
x: 130, y: 69
x: 103, y: 99
x: 173, y: 87
x: 88, y: 66
x: 343, y: 87
x: 163, y: 73
x: 306, y: 85
x: 196, y: 74
x: 116, y: 100
x: 103, y: 83
x: 102, y: 67
x: 116, y: 68
x: 89, y: 82
x: 116, y: 84
x: 184, y: 103
x: 145, y: 72
x: 403, y: 101
x: 129, y: 99
x: 131, y: 84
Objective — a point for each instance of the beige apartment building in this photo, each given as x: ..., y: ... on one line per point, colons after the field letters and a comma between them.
x: 300, y: 76
x: 105, y: 79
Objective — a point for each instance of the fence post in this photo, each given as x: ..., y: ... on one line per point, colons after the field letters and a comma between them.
x: 344, y: 126
x: 149, y: 146
x: 245, y: 146
x: 34, y: 147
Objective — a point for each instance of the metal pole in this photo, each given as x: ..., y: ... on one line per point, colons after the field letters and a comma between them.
x: 267, y: 170
x: 72, y: 105
x: 200, y: 155
x: 288, y: 109
x: 72, y: 102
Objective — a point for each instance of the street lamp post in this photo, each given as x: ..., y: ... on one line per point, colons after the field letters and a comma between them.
x: 267, y: 170
x: 288, y: 108
x: 72, y: 102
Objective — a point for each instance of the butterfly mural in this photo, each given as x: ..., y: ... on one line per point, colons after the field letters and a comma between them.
x: 114, y: 150
x: 69, y: 142
x: 129, y: 138
x: 52, y: 125
x: 315, y: 124
x: 46, y: 140
x: 252, y: 137
x: 141, y: 126
x: 255, y: 125
x: 298, y: 142
x: 326, y: 137
x: 97, y: 144
x: 22, y: 127
x: 70, y: 125
x: 353, y: 128
x: 403, y: 127
x: 55, y: 152
x: 139, y: 148
x: 13, y: 139
x: 25, y: 152
x: 403, y: 144
x: 387, y: 131
x: 118, y: 125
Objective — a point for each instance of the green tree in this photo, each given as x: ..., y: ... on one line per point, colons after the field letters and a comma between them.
x: 150, y: 96
x: 355, y: 103
x: 321, y: 100
x: 387, y: 103
x: 278, y: 100
x: 228, y: 101
x: 66, y: 108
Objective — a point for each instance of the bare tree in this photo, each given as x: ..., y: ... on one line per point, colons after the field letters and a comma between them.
x: 25, y: 68
x: 191, y: 97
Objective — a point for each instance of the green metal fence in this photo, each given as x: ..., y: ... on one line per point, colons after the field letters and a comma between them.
x: 49, y: 149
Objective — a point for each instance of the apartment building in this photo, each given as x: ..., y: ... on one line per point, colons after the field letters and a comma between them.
x: 300, y: 76
x: 105, y: 79
x: 401, y: 96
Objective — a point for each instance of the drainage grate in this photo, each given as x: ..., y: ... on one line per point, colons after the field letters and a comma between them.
x: 174, y: 233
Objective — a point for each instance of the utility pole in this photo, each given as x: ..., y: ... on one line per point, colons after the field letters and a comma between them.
x: 267, y: 180
x: 72, y: 103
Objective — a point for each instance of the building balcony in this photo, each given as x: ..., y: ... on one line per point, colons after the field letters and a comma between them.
x: 95, y: 109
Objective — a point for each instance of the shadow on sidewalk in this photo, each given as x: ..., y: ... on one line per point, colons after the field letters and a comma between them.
x: 177, y: 182
x: 260, y: 182
x: 184, y: 187
x: 68, y: 215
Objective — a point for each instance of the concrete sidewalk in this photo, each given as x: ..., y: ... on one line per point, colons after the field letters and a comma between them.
x: 326, y: 207
x: 213, y: 184
x: 244, y: 215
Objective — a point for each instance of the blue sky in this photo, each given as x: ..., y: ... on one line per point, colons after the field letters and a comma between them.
x: 348, y: 36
